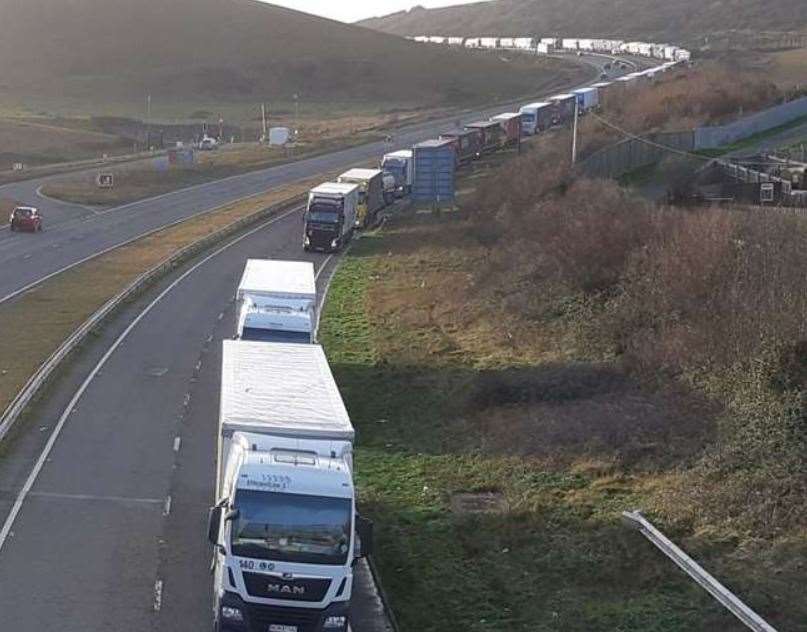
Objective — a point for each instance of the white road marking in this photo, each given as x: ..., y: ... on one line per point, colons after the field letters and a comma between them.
x: 90, y: 497
x: 167, y: 506
x: 43, y: 457
x: 177, y: 443
x: 158, y: 595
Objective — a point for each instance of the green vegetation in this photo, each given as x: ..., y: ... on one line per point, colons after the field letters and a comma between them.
x: 752, y: 141
x: 552, y: 556
x: 522, y: 371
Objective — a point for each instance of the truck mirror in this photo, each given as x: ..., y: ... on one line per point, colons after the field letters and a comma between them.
x: 233, y: 514
x: 364, y: 528
x: 213, y: 524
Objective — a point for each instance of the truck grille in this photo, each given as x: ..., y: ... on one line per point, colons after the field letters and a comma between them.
x: 260, y: 617
x: 271, y: 587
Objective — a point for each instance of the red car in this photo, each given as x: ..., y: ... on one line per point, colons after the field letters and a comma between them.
x: 26, y: 218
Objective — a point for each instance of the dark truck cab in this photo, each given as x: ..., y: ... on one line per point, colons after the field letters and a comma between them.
x: 330, y: 216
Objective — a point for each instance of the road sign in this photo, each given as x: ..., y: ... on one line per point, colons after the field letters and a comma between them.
x: 105, y: 180
x: 18, y: 166
x: 766, y: 192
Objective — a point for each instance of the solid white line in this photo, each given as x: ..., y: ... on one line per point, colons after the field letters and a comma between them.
x: 39, y: 193
x: 40, y: 463
x: 177, y: 443
x: 112, y: 499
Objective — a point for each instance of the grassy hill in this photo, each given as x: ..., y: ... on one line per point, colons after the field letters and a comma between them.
x: 683, y: 21
x: 213, y: 51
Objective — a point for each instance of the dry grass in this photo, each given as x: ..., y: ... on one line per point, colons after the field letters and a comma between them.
x: 45, y: 316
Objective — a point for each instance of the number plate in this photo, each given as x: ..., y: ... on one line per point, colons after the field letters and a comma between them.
x: 276, y: 627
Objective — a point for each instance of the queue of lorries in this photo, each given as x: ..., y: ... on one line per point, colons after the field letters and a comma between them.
x: 337, y: 209
x: 285, y: 529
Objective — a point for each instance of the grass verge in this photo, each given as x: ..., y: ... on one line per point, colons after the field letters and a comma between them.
x: 49, y: 313
x: 495, y: 512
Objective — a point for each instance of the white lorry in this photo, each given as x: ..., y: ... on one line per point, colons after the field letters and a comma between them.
x: 401, y: 165
x: 277, y: 301
x: 330, y: 216
x: 284, y: 529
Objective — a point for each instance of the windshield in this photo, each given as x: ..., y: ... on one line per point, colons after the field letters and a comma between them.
x: 323, y: 213
x: 291, y: 527
x: 23, y: 212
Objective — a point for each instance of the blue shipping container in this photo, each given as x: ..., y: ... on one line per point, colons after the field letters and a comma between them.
x: 435, y: 165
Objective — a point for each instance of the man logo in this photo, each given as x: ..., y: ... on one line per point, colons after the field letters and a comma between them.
x: 285, y: 589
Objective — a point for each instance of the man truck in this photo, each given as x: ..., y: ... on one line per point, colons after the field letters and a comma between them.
x: 276, y: 301
x: 284, y: 529
x: 371, y: 193
x: 330, y: 216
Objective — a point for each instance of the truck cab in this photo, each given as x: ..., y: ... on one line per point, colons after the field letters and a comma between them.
x: 330, y: 216
x: 285, y: 534
x: 401, y: 165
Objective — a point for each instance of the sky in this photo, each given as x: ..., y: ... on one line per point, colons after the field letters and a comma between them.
x: 353, y: 10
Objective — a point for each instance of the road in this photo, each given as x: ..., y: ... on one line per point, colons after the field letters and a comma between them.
x: 105, y: 487
x: 75, y: 233
x: 111, y: 535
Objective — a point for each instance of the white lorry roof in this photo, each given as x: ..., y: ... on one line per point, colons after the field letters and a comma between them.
x: 335, y: 188
x: 361, y: 174
x: 295, y: 279
x: 403, y: 153
x: 585, y: 90
x: 280, y: 389
x: 506, y: 116
x: 561, y: 97
x: 535, y: 106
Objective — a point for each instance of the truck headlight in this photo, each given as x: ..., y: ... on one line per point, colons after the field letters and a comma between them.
x: 334, y: 242
x: 307, y: 241
x: 231, y: 614
x: 335, y: 623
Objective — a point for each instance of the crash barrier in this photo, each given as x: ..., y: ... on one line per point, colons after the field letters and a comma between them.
x: 719, y: 135
x: 722, y: 594
x: 41, y: 377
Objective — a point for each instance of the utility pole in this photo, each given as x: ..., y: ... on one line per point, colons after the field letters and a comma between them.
x: 296, y: 114
x: 574, y: 130
x: 263, y: 119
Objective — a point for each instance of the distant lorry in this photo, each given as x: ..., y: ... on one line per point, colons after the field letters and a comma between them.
x: 330, y: 216
x: 277, y: 301
x: 563, y: 108
x: 536, y: 117
x: 511, y: 124
x: 371, y: 193
x: 401, y: 165
x: 285, y: 529
x: 587, y: 98
x: 208, y: 143
x: 492, y: 135
x: 467, y: 144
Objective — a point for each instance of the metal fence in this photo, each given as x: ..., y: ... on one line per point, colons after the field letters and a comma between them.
x: 711, y: 137
x: 631, y: 154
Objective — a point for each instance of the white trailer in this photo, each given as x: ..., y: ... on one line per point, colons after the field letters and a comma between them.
x: 569, y: 44
x: 437, y: 39
x: 524, y: 43
x: 455, y: 41
x: 473, y: 42
x: 489, y: 42
x: 507, y: 42
x: 284, y: 529
x: 276, y: 301
x: 585, y: 44
x: 544, y: 48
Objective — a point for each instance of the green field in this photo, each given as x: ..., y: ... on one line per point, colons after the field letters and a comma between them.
x: 550, y: 553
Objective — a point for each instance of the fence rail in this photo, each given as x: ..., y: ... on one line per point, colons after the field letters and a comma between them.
x: 727, y: 598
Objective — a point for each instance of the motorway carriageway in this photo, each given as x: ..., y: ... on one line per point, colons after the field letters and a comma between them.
x: 74, y: 233
x: 105, y: 490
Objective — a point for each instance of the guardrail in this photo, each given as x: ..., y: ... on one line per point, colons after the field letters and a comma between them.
x: 728, y: 599
x: 40, y: 378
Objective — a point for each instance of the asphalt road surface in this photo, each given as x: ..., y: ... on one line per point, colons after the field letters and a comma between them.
x: 111, y: 534
x: 74, y: 233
